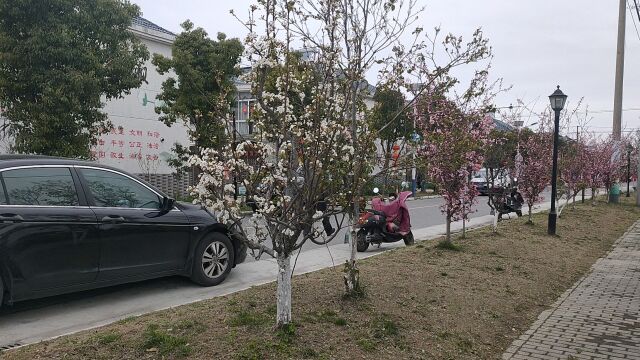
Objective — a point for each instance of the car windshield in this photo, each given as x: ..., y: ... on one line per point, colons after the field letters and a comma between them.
x: 481, y: 174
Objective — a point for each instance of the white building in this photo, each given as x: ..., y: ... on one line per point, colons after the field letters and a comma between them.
x: 139, y: 143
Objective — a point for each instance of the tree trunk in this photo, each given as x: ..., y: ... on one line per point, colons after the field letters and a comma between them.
x: 464, y: 227
x: 494, y: 225
x: 352, y: 274
x: 565, y: 205
x: 351, y: 271
x: 283, y: 294
x: 352, y: 279
x: 530, y: 214
x: 386, y: 149
x: 448, y: 238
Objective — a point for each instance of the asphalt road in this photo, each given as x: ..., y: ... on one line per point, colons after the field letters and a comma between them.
x: 425, y: 213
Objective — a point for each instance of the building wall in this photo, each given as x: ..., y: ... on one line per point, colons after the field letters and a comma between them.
x: 140, y: 143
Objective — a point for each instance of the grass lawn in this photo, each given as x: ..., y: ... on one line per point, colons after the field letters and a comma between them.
x: 421, y: 302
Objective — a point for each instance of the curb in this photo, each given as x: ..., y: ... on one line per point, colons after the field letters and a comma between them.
x: 424, y: 197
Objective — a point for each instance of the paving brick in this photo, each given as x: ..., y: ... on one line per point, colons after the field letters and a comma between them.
x: 598, y: 318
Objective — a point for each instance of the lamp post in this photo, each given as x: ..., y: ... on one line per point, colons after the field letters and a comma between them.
x: 557, y: 99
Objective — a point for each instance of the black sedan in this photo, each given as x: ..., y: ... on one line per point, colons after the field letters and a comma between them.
x: 68, y: 225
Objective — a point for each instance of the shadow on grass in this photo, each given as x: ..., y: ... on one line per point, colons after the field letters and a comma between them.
x: 448, y: 245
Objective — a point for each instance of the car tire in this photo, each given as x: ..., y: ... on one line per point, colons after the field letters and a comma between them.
x: 213, y: 260
x: 408, y: 239
x: 361, y: 241
x: 519, y: 213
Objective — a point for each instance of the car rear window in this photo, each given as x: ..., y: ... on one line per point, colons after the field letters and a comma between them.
x: 40, y: 186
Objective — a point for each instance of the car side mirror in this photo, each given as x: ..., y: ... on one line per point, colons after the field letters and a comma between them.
x: 167, y: 204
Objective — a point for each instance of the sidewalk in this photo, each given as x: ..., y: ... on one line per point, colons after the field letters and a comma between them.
x: 598, y: 318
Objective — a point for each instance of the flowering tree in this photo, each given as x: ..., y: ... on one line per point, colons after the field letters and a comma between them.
x: 602, y: 167
x: 499, y: 162
x: 453, y: 143
x: 367, y: 31
x: 596, y: 161
x: 305, y: 151
x: 573, y: 162
x: 534, y: 172
x: 610, y: 163
x: 419, y: 70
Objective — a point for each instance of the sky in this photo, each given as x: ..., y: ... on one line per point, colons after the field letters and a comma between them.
x: 537, y: 45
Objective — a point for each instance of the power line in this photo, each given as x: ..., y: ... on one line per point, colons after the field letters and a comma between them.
x: 606, y: 111
x: 607, y: 127
x: 133, y: 117
x: 633, y: 19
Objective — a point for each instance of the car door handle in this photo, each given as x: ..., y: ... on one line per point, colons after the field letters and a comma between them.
x: 11, y: 218
x: 113, y: 219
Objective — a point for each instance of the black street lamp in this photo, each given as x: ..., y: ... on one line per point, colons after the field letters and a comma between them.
x: 557, y: 99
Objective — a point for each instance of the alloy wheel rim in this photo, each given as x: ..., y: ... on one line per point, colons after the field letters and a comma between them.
x: 215, y: 260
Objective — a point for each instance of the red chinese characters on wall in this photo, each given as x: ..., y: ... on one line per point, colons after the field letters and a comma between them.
x: 121, y: 144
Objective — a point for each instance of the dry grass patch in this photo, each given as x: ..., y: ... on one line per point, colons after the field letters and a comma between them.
x: 421, y: 302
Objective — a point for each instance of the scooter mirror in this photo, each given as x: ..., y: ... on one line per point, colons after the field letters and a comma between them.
x: 376, y: 190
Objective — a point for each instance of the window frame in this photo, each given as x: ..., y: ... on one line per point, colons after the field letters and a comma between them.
x: 82, y: 200
x: 89, y: 195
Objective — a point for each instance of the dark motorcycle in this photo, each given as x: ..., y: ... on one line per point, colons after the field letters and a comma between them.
x: 511, y: 203
x: 385, y: 223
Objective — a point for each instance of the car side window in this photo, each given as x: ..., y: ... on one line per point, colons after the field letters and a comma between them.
x: 46, y: 186
x: 111, y: 189
x: 3, y: 195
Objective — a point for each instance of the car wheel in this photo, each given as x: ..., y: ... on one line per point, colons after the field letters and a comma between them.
x: 362, y: 244
x: 408, y: 239
x: 519, y: 213
x: 213, y: 260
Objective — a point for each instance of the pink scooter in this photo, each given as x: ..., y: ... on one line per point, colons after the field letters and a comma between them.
x: 385, y: 223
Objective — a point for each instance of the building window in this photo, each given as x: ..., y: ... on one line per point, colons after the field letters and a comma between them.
x: 243, y: 115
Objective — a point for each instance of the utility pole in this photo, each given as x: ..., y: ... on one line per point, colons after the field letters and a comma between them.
x: 617, y: 101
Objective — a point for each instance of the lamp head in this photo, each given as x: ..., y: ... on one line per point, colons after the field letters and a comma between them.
x: 557, y: 99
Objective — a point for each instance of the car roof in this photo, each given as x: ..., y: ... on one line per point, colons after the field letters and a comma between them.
x: 11, y: 160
